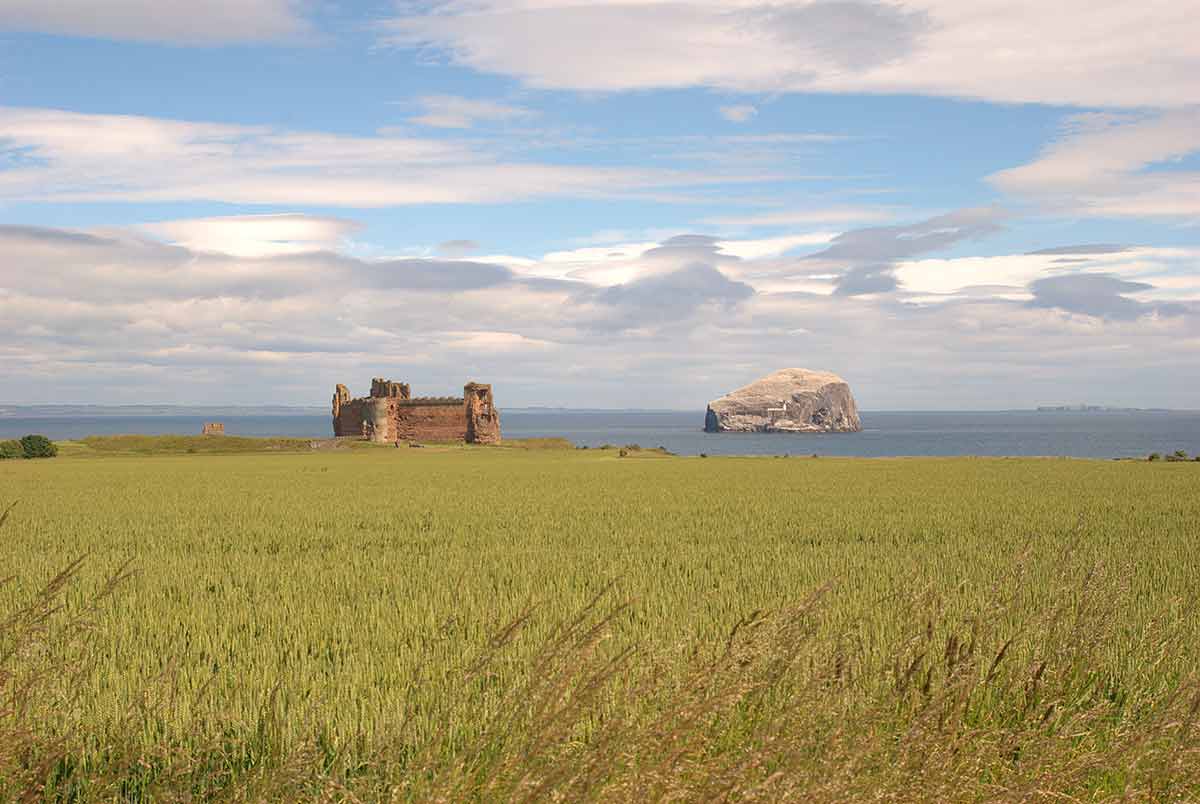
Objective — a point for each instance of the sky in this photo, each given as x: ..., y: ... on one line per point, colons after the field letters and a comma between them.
x: 600, y: 203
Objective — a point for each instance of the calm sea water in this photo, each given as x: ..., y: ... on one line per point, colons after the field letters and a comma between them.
x: 1084, y: 435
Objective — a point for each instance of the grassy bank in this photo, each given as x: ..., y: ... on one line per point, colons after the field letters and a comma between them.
x: 150, y: 445
x: 156, y: 445
x: 507, y: 623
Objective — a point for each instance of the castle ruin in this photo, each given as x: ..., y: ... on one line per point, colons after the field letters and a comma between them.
x: 391, y: 415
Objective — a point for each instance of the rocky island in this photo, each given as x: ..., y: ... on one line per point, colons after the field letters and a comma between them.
x: 791, y: 400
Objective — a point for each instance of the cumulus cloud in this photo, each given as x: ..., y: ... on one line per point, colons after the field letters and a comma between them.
x: 116, y: 316
x: 620, y: 263
x: 1088, y: 249
x: 1110, y: 165
x: 897, y: 242
x: 256, y: 235
x: 1101, y: 295
x: 1166, y: 273
x: 1071, y: 52
x: 844, y: 34
x: 59, y: 156
x: 667, y: 297
x: 457, y: 248
x: 183, y: 22
x: 430, y: 275
x: 867, y: 258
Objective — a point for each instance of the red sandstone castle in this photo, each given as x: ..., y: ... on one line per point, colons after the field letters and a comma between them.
x: 390, y: 415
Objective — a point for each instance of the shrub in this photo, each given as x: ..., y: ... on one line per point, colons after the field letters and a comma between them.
x: 38, y: 446
x: 1178, y: 455
x: 11, y: 449
x: 1154, y: 456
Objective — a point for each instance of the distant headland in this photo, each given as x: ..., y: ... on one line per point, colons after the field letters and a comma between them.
x: 1082, y: 408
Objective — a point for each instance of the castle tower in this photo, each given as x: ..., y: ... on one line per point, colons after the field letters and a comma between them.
x: 341, y: 397
x: 386, y: 388
x: 377, y: 425
x: 483, y: 420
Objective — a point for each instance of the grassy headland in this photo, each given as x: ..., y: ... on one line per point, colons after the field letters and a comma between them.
x: 492, y: 624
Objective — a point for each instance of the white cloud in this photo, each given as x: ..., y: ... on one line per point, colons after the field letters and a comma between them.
x: 1068, y: 52
x: 740, y: 113
x: 61, y: 156
x: 256, y: 235
x: 115, y: 317
x: 864, y: 260
x: 186, y: 22
x: 619, y: 263
x: 1104, y: 165
x: 494, y: 342
x: 452, y: 111
x: 773, y: 246
x: 945, y: 278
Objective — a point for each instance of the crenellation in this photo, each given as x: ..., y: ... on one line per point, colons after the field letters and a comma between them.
x: 386, y: 388
x: 432, y: 400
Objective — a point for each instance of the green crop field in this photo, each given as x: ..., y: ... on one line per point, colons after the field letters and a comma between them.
x: 555, y: 624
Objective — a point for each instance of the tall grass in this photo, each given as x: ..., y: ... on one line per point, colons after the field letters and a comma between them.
x: 574, y: 626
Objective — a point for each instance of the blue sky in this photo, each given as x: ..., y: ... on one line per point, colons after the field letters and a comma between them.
x: 605, y: 203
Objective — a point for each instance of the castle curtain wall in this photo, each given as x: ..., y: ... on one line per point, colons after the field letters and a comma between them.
x: 348, y: 418
x: 433, y: 421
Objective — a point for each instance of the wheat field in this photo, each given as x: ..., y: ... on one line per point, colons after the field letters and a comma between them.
x: 556, y: 624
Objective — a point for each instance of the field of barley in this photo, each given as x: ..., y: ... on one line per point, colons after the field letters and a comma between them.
x: 557, y: 624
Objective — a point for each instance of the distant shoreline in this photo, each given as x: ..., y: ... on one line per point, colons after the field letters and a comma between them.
x: 1098, y: 409
x: 216, y: 411
x: 149, y: 411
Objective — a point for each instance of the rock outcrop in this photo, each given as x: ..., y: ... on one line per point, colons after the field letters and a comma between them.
x: 790, y: 400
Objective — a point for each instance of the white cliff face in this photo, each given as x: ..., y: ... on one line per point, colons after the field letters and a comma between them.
x: 791, y: 400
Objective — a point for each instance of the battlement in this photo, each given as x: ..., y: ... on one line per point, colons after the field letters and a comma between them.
x: 390, y: 414
x: 381, y: 388
x: 431, y: 400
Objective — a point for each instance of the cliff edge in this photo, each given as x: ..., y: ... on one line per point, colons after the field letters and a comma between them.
x: 790, y: 400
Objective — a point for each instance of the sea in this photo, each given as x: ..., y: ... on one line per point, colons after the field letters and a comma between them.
x: 1096, y: 434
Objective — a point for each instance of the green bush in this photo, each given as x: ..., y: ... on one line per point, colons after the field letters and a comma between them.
x: 1154, y: 456
x: 1178, y: 455
x: 11, y: 449
x: 38, y: 446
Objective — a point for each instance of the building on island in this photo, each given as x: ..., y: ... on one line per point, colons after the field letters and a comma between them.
x: 391, y: 415
x: 213, y: 429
